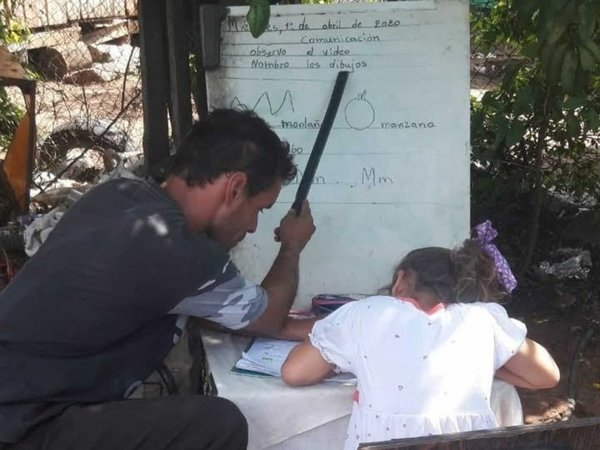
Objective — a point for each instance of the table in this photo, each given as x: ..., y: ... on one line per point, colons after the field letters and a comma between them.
x: 285, y: 418
x: 279, y: 417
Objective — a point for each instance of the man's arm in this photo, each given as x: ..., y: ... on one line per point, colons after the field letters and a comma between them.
x: 281, y: 282
x: 297, y: 329
x: 293, y: 329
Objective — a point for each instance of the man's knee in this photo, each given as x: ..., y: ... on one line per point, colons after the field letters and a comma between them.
x: 218, y: 417
x: 229, y: 415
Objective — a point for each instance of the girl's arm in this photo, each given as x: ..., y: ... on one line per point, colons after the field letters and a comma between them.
x: 305, y: 365
x: 532, y: 367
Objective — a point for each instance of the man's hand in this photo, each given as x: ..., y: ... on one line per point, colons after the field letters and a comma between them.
x: 295, y: 231
x: 297, y: 329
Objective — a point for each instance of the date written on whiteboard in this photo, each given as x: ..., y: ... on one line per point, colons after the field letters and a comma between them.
x: 238, y: 25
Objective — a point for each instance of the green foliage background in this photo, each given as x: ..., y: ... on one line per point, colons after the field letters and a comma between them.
x: 11, y: 32
x: 533, y: 134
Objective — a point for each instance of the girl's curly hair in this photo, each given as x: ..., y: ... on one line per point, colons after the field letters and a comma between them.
x: 464, y: 274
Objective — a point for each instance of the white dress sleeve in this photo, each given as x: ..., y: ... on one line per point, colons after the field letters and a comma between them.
x: 509, y: 334
x: 336, y: 336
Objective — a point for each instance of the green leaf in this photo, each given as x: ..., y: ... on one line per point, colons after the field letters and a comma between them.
x: 523, y: 100
x: 592, y: 47
x: 511, y: 71
x: 515, y: 133
x: 556, y: 19
x: 587, y: 21
x: 490, y: 100
x: 568, y: 70
x: 258, y: 16
x: 525, y: 10
x: 531, y: 50
x: 555, y: 64
x: 501, y: 124
x: 554, y: 31
x: 573, y: 126
x: 593, y: 119
x: 558, y: 5
x: 587, y: 58
x: 572, y: 102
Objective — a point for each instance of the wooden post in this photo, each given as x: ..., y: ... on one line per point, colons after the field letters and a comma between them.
x: 178, y: 28
x: 17, y: 170
x: 155, y: 87
x: 199, y: 93
x: 29, y: 92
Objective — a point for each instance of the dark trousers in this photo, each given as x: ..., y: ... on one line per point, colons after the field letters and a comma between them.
x: 191, y: 422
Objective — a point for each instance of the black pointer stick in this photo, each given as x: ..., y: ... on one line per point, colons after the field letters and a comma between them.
x: 317, y: 150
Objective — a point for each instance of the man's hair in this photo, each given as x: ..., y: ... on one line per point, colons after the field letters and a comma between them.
x: 231, y: 140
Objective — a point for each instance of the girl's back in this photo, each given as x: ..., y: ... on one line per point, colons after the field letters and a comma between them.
x: 425, y: 357
x: 418, y: 372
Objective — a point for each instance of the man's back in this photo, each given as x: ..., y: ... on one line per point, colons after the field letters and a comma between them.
x: 86, y: 317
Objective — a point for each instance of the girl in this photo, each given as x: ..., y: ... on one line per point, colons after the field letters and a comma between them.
x: 425, y: 355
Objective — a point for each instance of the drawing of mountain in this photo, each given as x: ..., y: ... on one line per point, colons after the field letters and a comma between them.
x: 264, y: 105
x: 237, y: 104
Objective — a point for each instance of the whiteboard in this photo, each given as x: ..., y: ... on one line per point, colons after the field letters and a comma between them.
x: 394, y: 175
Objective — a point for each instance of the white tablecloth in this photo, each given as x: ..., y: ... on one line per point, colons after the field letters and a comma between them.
x: 279, y: 417
x: 314, y: 417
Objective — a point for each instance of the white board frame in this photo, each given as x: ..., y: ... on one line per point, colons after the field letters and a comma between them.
x: 395, y: 172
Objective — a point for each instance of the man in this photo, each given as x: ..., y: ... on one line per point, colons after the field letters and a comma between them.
x: 102, y: 302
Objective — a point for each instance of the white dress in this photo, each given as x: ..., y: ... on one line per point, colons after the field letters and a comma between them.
x: 419, y: 373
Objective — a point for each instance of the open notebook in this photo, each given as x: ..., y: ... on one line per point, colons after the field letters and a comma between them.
x: 264, y: 357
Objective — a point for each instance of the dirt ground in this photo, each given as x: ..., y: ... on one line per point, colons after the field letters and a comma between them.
x: 562, y: 332
x: 562, y: 313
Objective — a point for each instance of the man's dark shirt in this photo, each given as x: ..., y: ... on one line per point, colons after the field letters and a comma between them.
x: 88, y: 316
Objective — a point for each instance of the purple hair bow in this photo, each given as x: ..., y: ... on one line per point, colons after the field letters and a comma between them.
x: 485, y: 235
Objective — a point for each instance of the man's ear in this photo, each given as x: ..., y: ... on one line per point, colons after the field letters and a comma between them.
x: 237, y: 184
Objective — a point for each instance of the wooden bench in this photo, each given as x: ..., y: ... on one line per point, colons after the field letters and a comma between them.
x: 576, y: 434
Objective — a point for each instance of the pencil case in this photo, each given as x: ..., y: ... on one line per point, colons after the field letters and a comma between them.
x: 327, y: 303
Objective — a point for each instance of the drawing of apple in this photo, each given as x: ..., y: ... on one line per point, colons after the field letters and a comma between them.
x: 360, y: 114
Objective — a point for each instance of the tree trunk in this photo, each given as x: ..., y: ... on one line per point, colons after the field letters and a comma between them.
x: 538, y: 191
